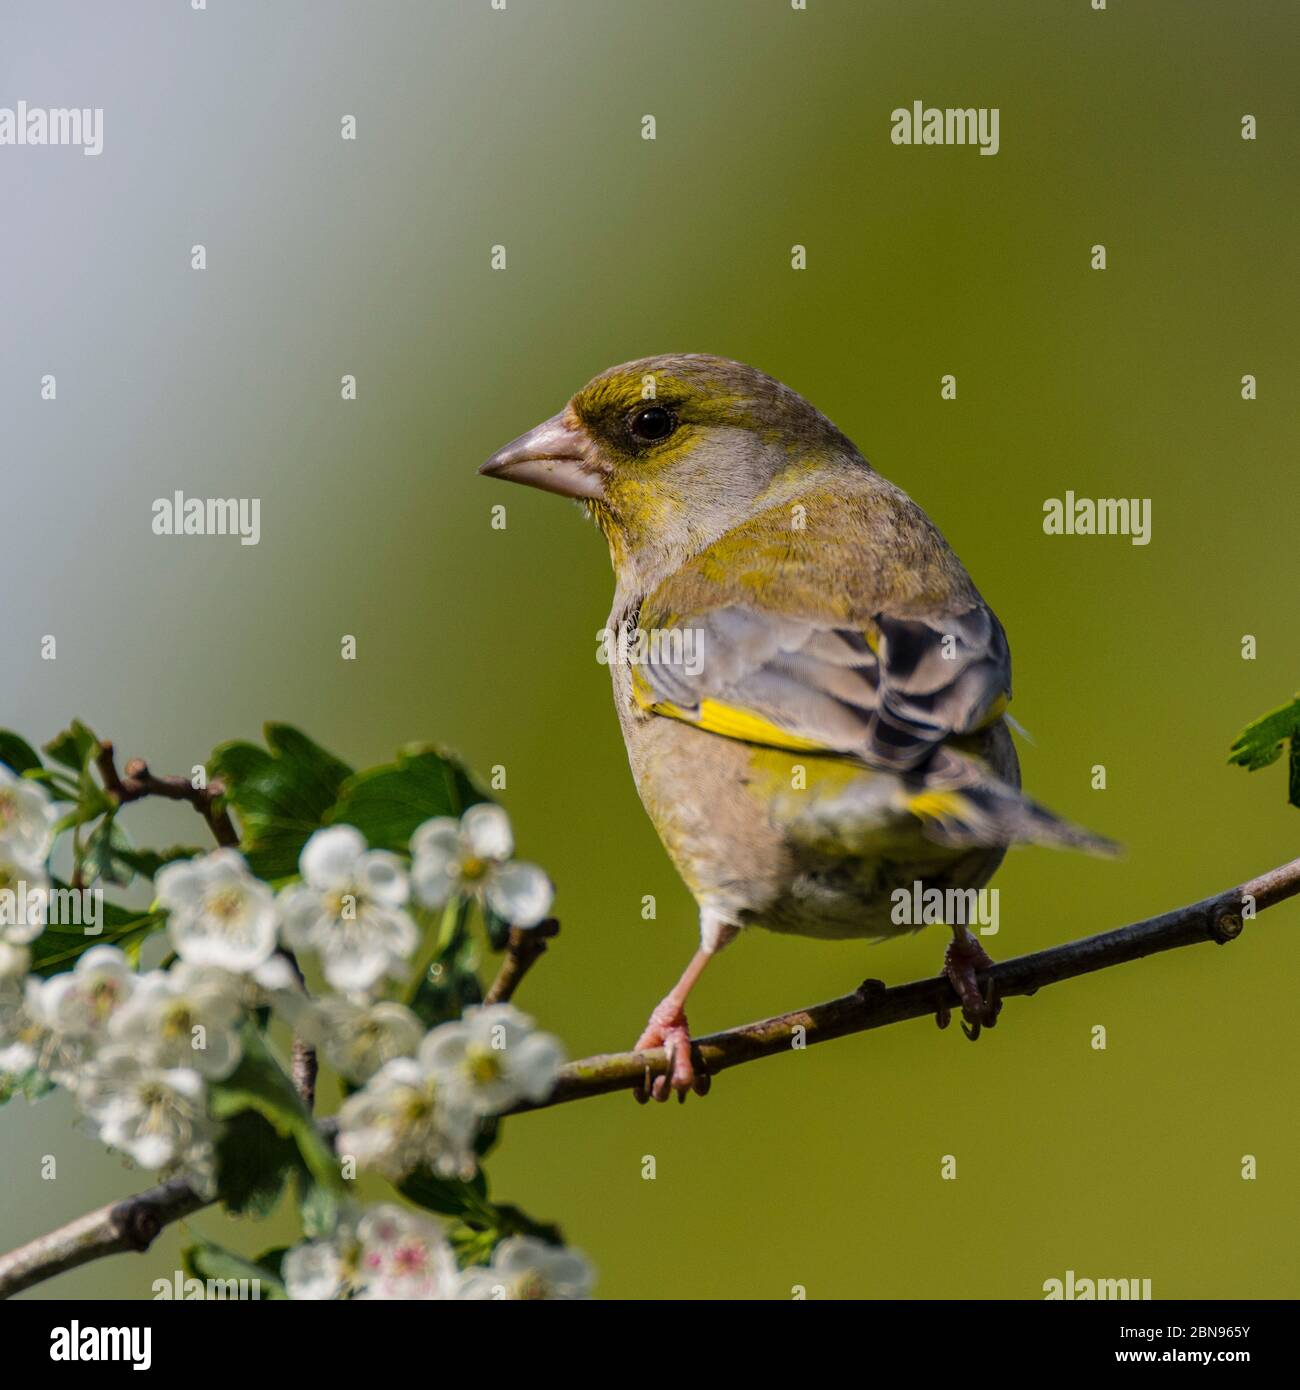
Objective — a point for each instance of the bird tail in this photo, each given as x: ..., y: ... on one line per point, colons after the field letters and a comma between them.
x: 961, y: 803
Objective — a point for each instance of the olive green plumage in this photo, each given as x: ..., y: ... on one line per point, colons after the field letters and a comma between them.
x: 829, y: 726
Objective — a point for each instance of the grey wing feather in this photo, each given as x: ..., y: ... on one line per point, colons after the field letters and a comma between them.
x: 890, y: 704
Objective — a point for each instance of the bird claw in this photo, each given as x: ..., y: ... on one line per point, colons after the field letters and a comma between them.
x: 668, y: 1029
x: 979, y: 1008
x: 990, y: 1006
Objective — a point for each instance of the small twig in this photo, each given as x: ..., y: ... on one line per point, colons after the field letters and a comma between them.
x: 871, y: 1005
x: 139, y: 782
x: 523, y: 948
x: 303, y: 1066
x: 304, y: 1069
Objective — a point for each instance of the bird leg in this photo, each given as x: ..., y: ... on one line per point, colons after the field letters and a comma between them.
x: 961, y: 962
x: 667, y: 1028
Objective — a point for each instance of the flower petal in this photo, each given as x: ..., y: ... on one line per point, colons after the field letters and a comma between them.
x: 354, y: 963
x: 441, y: 835
x: 486, y: 831
x: 329, y: 858
x: 520, y: 893
x: 381, y: 876
x: 300, y: 913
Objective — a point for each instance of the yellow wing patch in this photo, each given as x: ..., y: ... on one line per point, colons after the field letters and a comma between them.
x: 936, y: 805
x: 717, y: 717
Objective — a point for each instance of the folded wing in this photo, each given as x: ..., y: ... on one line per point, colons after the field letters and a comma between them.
x: 884, y: 688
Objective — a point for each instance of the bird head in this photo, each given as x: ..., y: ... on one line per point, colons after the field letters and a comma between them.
x: 667, y: 453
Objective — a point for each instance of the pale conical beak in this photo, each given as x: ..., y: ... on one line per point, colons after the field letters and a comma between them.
x: 553, y: 457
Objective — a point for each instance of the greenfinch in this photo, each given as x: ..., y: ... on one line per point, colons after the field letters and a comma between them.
x: 811, y: 689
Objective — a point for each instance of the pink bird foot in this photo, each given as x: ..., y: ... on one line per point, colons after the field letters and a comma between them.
x: 963, y: 959
x: 668, y: 1029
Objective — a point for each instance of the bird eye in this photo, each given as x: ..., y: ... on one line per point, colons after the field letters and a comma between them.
x: 652, y: 424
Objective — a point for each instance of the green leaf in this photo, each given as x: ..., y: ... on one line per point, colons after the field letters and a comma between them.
x: 1260, y: 744
x: 451, y: 1196
x: 254, y: 1164
x: 387, y: 803
x: 449, y: 983
x: 498, y: 929
x: 103, y: 854
x: 110, y: 854
x: 260, y: 1084
x: 273, y: 1260
x: 58, y: 784
x: 17, y: 755
x: 75, y: 747
x: 227, y: 1272
x: 483, y: 1222
x: 511, y: 1221
x: 58, y: 948
x: 89, y: 804
x: 281, y: 795
x: 148, y: 861
x: 489, y: 1134
x: 318, y: 1207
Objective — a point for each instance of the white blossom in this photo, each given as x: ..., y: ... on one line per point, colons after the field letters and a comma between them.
x: 56, y: 1024
x: 389, y: 1253
x: 403, y: 1255
x: 525, y: 1268
x: 350, y: 909
x: 472, y: 856
x: 27, y: 819
x: 80, y: 1003
x: 183, y: 1017
x: 26, y: 1040
x: 493, y: 1057
x: 157, y: 1116
x: 219, y: 914
x: 19, y: 1032
x: 315, y: 1270
x: 24, y: 897
x: 357, y: 1038
x: 404, y: 1117
x: 15, y: 962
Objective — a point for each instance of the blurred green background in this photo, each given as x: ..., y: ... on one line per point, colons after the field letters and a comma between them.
x: 523, y: 127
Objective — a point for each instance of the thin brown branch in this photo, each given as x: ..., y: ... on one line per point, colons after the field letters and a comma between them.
x: 1221, y: 919
x: 124, y: 1226
x: 523, y: 949
x: 138, y: 782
